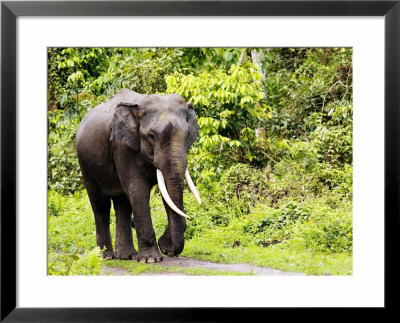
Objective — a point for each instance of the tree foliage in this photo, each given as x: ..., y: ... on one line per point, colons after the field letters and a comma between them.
x: 230, y: 106
x: 248, y: 111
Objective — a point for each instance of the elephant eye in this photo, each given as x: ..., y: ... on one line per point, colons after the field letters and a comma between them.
x: 152, y: 137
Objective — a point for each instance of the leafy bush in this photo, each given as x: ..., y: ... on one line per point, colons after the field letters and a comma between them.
x: 242, y: 185
x: 327, y: 231
x: 71, y: 236
x: 89, y: 263
x: 270, y: 226
x: 337, y: 180
x: 334, y: 139
x: 140, y: 69
x: 64, y: 173
x: 287, y: 215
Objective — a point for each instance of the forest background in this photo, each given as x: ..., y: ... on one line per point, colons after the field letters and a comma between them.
x: 273, y: 162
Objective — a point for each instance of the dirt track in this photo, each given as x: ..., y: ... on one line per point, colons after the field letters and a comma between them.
x: 196, y: 263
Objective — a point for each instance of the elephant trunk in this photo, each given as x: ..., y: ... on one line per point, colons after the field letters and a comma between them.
x: 177, y: 223
x: 171, y: 162
x: 174, y: 187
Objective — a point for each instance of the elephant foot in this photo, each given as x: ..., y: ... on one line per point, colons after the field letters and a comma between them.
x: 165, y: 244
x: 126, y: 254
x: 149, y: 255
x: 108, y: 254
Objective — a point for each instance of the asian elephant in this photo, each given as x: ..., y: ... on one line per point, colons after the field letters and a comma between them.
x: 125, y: 146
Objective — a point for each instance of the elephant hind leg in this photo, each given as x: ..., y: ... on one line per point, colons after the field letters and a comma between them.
x: 124, y: 248
x: 101, y: 205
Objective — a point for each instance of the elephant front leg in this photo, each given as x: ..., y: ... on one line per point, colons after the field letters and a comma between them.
x: 147, y: 244
x: 165, y: 241
x: 101, y: 205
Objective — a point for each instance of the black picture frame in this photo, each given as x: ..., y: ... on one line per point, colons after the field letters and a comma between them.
x: 10, y: 10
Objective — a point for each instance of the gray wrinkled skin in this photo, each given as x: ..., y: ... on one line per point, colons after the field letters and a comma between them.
x: 120, y: 144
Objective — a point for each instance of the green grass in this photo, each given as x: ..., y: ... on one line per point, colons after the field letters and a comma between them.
x: 301, y: 245
x: 276, y: 256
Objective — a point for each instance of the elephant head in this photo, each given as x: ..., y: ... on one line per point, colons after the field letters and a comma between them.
x: 162, y: 128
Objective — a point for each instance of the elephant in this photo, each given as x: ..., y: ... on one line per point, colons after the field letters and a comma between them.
x: 125, y: 146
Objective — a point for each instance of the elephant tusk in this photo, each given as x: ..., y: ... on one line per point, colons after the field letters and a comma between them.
x: 165, y: 195
x: 192, y: 186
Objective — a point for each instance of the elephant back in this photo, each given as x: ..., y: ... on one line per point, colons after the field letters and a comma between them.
x: 93, y: 134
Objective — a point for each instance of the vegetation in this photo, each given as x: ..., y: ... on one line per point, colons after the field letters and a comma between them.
x: 273, y: 162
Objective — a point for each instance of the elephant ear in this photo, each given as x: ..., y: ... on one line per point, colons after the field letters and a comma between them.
x: 124, y: 126
x: 193, y: 126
